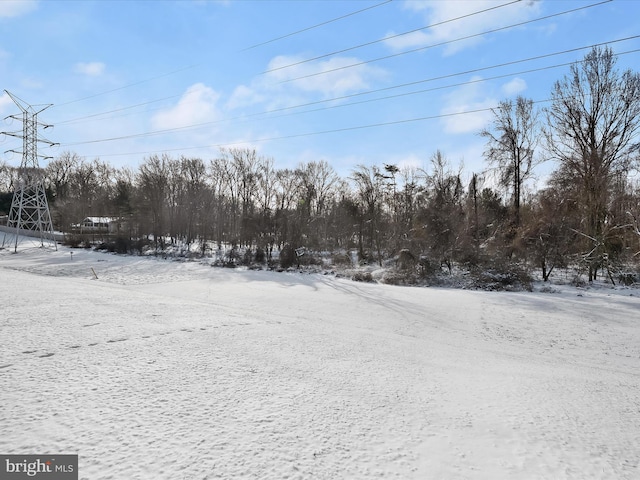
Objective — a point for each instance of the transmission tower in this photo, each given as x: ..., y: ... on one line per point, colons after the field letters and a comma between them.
x: 29, y: 214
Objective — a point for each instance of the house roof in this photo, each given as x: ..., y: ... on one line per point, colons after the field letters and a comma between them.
x: 100, y: 219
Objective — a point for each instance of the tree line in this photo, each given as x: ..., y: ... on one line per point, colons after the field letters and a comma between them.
x: 431, y: 218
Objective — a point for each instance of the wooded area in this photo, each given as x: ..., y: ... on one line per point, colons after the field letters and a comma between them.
x: 427, y: 219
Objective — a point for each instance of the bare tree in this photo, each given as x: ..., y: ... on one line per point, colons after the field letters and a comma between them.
x: 224, y: 197
x: 153, y: 180
x: 444, y: 213
x: 548, y: 230
x: 286, y: 190
x: 7, y: 177
x: 241, y: 170
x: 511, y: 143
x: 124, y: 197
x: 369, y: 182
x: 193, y: 201
x: 593, y: 122
x: 58, y: 173
x: 316, y: 185
x: 318, y: 179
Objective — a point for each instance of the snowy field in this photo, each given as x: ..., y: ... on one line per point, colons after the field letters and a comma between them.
x: 170, y: 370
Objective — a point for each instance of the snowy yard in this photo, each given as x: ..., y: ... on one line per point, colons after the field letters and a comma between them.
x: 170, y: 370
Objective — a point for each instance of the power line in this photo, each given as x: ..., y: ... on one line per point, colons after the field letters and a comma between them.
x: 386, y: 57
x: 316, y: 26
x: 481, y: 69
x: 322, y: 132
x: 267, y: 112
x: 199, y: 125
x: 343, y: 129
x: 377, y: 90
x: 284, y: 36
x: 390, y: 37
x: 344, y: 67
x: 79, y: 119
x: 446, y: 76
x: 278, y: 38
x: 192, y: 66
x: 126, y: 86
x: 291, y: 107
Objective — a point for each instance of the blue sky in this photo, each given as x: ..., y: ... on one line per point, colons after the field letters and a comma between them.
x: 297, y: 80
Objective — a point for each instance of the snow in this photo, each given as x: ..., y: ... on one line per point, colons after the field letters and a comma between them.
x: 158, y: 369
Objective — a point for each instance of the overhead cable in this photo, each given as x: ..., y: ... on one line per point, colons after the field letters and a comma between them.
x: 125, y: 86
x: 324, y: 132
x: 316, y: 26
x: 199, y: 125
x: 384, y: 39
x: 447, y: 42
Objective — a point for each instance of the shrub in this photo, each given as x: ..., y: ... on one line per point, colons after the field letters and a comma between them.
x: 309, y: 259
x: 247, y: 257
x: 72, y: 241
x: 628, y: 278
x: 260, y: 256
x: 231, y: 258
x: 400, y: 278
x: 362, y: 277
x: 406, y: 260
x: 288, y: 257
x: 138, y: 246
x: 341, y: 260
x: 121, y: 245
x: 502, y: 276
x: 428, y: 267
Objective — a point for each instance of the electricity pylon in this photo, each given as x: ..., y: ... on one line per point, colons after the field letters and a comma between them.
x: 29, y: 214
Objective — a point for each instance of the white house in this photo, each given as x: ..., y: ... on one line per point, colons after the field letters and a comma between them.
x: 101, y: 224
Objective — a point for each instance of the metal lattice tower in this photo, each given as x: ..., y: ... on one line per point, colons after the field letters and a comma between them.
x: 29, y: 214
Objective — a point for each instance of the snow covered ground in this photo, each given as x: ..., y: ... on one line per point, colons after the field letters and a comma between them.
x: 172, y: 370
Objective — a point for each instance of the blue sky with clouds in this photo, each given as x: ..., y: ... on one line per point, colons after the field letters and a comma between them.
x: 340, y: 81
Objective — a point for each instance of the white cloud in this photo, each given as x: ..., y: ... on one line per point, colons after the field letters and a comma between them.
x: 468, y: 98
x: 409, y: 161
x: 331, y: 77
x: 15, y: 8
x: 445, y: 16
x: 197, y: 105
x: 92, y: 69
x: 410, y: 40
x: 286, y: 83
x: 244, y: 96
x: 514, y: 87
